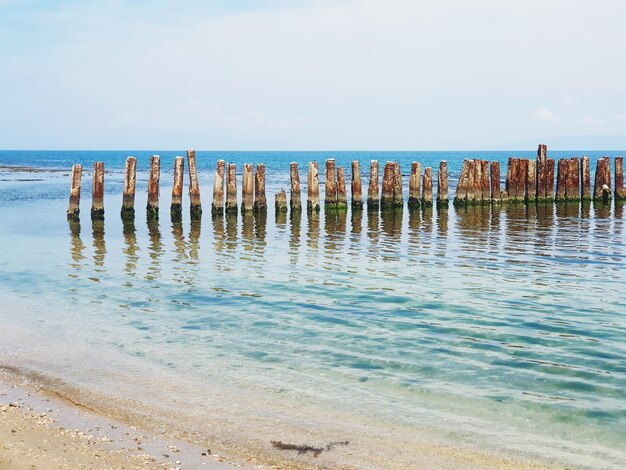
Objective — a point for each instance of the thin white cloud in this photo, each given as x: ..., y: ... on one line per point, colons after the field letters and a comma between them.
x: 590, y: 119
x: 545, y: 115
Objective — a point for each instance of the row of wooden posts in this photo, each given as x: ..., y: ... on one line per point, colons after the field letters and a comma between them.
x: 479, y: 183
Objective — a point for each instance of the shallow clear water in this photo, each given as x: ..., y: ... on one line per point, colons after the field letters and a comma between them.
x: 465, y: 320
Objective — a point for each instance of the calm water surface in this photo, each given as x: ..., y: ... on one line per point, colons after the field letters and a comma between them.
x: 474, y: 322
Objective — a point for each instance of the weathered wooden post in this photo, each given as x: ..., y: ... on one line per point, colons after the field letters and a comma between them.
x: 152, y: 208
x: 495, y: 182
x: 620, y: 191
x: 260, y: 201
x: 128, y: 196
x: 231, y: 189
x: 73, y: 210
x: 561, y: 178
x: 313, y: 188
x: 342, y: 193
x: 398, y: 198
x: 247, y: 189
x: 97, y: 191
x: 427, y: 185
x: 522, y: 179
x: 217, y: 206
x: 585, y: 179
x: 460, y: 194
x: 602, y: 185
x: 484, y: 181
x: 373, y: 189
x: 195, y: 207
x: 541, y: 162
x: 442, y: 184
x: 386, y: 197
x: 573, y: 179
x: 296, y: 200
x: 531, y: 181
x: 357, y: 192
x: 472, y: 172
x: 281, y: 201
x: 415, y: 185
x: 549, y: 179
x: 330, y: 196
x: 176, y: 208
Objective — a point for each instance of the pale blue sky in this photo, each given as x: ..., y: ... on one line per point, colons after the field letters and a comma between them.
x: 312, y: 75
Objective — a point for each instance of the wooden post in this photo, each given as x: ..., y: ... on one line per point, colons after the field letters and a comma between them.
x: 176, y: 208
x: 572, y: 188
x: 398, y: 199
x: 330, y: 196
x: 260, y: 201
x: 296, y: 200
x: 152, y: 208
x: 602, y: 180
x: 484, y: 173
x: 427, y: 184
x: 471, y: 182
x: 217, y: 206
x: 549, y: 179
x: 522, y: 179
x: 357, y: 193
x: 128, y: 197
x: 561, y: 178
x: 195, y: 207
x: 585, y: 179
x: 495, y: 182
x: 620, y: 191
x: 247, y: 189
x: 97, y: 192
x: 542, y: 180
x: 342, y: 195
x: 313, y: 188
x: 415, y: 185
x: 531, y: 181
x: 386, y: 197
x: 73, y: 210
x: 460, y: 194
x: 442, y: 184
x: 281, y: 201
x: 373, y: 189
x: 231, y: 189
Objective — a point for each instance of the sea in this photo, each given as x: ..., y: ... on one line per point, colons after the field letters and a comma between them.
x: 497, y: 330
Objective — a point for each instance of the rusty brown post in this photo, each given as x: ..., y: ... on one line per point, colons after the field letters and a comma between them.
x: 531, y: 181
x: 398, y: 199
x: 460, y: 194
x: 415, y: 185
x: 73, y: 210
x: 427, y: 185
x: 602, y: 186
x: 386, y: 197
x: 342, y: 196
x: 313, y: 188
x: 357, y: 193
x: 152, y: 208
x: 128, y: 196
x: 373, y: 189
x: 330, y: 196
x: 176, y: 208
x: 620, y: 191
x: 296, y: 199
x: 217, y: 206
x: 572, y: 188
x: 522, y: 179
x: 585, y: 179
x: 195, y: 207
x: 97, y: 191
x: 542, y: 181
x: 484, y: 172
x: 231, y: 189
x: 549, y: 179
x: 281, y: 201
x: 471, y: 182
x: 260, y: 201
x: 561, y: 179
x: 495, y: 182
x: 442, y: 184
x: 247, y: 189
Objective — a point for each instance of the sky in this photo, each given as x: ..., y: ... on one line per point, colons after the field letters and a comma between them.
x: 313, y: 74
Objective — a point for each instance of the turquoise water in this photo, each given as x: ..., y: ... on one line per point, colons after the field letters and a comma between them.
x: 474, y: 323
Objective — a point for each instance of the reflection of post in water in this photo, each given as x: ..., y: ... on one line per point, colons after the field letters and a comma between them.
x: 155, y: 249
x: 373, y: 226
x: 567, y: 209
x: 392, y: 223
x: 473, y: 219
x: 247, y: 229
x: 180, y: 249
x: 281, y: 210
x: 97, y: 227
x: 601, y: 209
x: 130, y: 245
x: 313, y: 229
x: 260, y: 227
x: 194, y: 238
x: 231, y: 231
x: 442, y: 215
x: 77, y: 247
x: 335, y: 228
x: 219, y: 235
x: 294, y: 238
x: 356, y: 218
x: 585, y: 208
x: 619, y: 208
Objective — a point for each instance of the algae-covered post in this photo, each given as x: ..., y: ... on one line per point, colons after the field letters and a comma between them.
x: 195, y: 207
x: 585, y: 179
x: 495, y: 182
x: 247, y: 189
x: 152, y: 208
x: 176, y: 208
x: 442, y: 184
x: 217, y: 206
x: 128, y: 196
x: 427, y: 187
x: 386, y: 197
x: 260, y: 201
x: 542, y: 178
x: 398, y: 199
x: 330, y: 197
x: 313, y: 188
x: 460, y: 194
x: 531, y: 181
x: 296, y: 198
x: 373, y: 189
x: 357, y: 192
x: 415, y: 185
x: 97, y: 191
x: 342, y: 194
x: 73, y: 210
x: 602, y: 180
x: 281, y: 201
x: 620, y: 191
x: 231, y: 189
